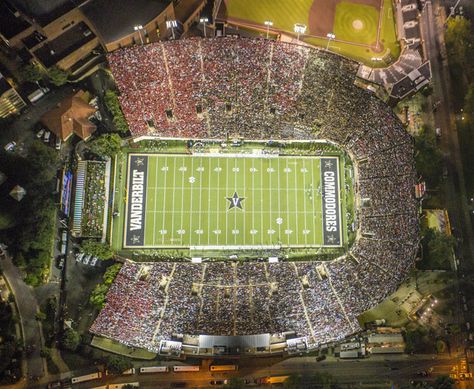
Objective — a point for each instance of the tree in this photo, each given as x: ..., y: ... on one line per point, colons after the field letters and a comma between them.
x: 458, y: 37
x: 440, y: 248
x: 57, y: 76
x: 40, y: 316
x: 71, y: 339
x: 111, y: 273
x: 43, y: 162
x: 428, y: 158
x: 444, y: 382
x: 113, y: 105
x: 235, y: 383
x: 117, y: 364
x: 97, y: 249
x: 106, y: 145
x: 31, y: 73
x: 97, y: 297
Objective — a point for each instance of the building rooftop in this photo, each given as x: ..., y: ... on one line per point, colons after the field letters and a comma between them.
x: 11, y: 23
x: 44, y: 12
x: 71, y: 116
x: 114, y: 19
x: 66, y: 43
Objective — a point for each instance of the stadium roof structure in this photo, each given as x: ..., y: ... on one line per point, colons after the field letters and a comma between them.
x: 121, y: 16
x: 70, y: 117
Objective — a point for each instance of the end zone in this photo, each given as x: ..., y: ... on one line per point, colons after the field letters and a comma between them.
x: 136, y: 200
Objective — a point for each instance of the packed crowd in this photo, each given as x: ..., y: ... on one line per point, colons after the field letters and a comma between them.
x: 94, y: 199
x: 266, y: 89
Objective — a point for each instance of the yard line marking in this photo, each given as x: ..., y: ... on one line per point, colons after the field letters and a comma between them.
x: 226, y: 189
x: 164, y: 200
x: 261, y: 201
x: 209, y: 202
x: 287, y: 202
x: 253, y: 202
x: 313, y: 196
x: 218, y: 199
x: 234, y: 210
x: 296, y: 205
x: 243, y: 194
x: 200, y: 199
x: 304, y: 205
x: 279, y: 200
x: 182, y: 200
x: 174, y: 197
x: 190, y: 227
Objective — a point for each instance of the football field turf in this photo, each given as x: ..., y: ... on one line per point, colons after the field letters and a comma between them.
x: 237, y: 201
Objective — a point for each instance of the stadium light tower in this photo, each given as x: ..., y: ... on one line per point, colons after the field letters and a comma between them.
x: 139, y: 28
x: 172, y: 24
x: 268, y: 23
x: 330, y: 36
x: 204, y: 21
x: 299, y: 29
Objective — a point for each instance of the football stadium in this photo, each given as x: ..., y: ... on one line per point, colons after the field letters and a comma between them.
x: 243, y: 153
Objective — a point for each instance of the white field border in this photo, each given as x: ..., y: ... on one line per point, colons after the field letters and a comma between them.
x: 230, y: 247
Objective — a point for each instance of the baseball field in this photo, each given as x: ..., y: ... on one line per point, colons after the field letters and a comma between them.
x: 364, y: 29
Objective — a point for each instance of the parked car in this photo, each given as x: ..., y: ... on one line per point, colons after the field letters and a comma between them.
x: 10, y: 146
x: 86, y: 259
x: 47, y: 136
x: 94, y: 261
x: 40, y: 133
x: 58, y: 144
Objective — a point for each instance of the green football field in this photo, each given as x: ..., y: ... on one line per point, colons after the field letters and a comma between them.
x: 236, y: 201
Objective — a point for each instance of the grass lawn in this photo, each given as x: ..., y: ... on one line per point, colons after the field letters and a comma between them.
x: 118, y: 348
x: 356, y: 23
x: 285, y: 13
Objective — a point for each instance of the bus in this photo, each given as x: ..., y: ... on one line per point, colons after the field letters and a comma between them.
x: 223, y: 367
x: 87, y: 377
x: 272, y: 380
x: 185, y: 368
x: 154, y: 369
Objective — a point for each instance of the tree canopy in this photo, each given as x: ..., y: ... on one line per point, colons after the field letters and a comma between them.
x: 31, y: 73
x: 106, y: 145
x: 97, y: 249
x: 428, y: 158
x: 116, y: 364
x: 113, y: 105
x: 71, y: 339
x: 57, y: 76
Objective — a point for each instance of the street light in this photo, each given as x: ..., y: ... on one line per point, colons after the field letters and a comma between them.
x: 299, y: 29
x: 204, y: 21
x: 268, y: 23
x: 330, y: 37
x: 172, y: 24
x: 139, y: 28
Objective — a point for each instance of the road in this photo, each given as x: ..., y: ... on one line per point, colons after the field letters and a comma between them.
x: 433, y: 36
x: 378, y: 371
x: 27, y: 307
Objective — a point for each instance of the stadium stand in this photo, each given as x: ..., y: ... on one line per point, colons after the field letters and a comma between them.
x: 261, y: 89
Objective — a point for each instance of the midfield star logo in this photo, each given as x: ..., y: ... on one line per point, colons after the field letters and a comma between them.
x: 235, y: 201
